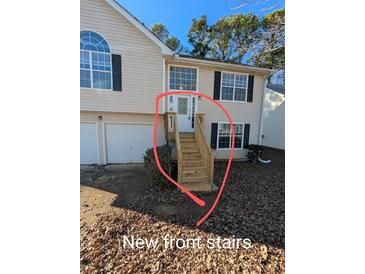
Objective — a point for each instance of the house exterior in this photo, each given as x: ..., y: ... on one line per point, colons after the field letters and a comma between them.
x: 273, y: 124
x: 123, y: 67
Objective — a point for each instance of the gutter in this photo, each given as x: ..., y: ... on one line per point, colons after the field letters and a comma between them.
x: 222, y: 64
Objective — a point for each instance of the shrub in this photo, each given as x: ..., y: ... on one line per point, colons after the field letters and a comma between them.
x: 164, y: 155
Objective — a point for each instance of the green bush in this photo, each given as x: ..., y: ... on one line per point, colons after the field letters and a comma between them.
x: 164, y: 155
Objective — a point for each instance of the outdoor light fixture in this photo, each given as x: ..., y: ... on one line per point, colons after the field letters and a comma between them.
x: 100, y: 117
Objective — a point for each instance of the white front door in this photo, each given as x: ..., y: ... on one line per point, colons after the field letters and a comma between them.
x: 184, y: 113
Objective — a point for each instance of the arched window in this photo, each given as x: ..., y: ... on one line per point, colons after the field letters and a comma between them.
x: 95, y: 61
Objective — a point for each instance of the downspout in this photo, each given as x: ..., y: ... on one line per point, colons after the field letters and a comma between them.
x: 262, y: 109
x: 163, y: 84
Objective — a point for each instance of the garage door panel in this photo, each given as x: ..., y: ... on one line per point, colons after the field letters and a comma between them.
x: 88, y: 144
x: 126, y: 143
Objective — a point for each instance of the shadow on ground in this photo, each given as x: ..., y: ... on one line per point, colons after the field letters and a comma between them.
x: 252, y: 204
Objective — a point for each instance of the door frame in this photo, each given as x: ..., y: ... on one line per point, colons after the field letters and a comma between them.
x: 190, y: 108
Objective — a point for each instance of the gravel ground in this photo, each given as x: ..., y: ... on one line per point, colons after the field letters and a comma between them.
x: 126, y: 203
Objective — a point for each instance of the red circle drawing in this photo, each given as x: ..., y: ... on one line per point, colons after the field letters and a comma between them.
x: 197, y: 200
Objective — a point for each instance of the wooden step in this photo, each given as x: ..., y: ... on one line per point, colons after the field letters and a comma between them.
x: 193, y: 167
x: 191, y: 163
x: 194, y: 179
x: 193, y: 172
x: 191, y: 156
x: 189, y: 145
x: 191, y: 151
x: 187, y: 140
x: 197, y: 186
x: 186, y: 134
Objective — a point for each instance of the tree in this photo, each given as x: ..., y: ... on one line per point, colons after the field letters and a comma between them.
x: 221, y: 39
x: 229, y: 39
x: 173, y: 43
x: 160, y: 31
x: 245, y: 34
x: 199, y: 36
x: 271, y: 52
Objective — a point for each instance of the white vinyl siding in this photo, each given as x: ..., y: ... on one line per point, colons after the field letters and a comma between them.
x: 140, y: 56
x: 274, y: 120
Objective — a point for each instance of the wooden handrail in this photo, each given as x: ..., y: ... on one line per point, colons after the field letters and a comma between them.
x: 178, y: 148
x: 205, y: 150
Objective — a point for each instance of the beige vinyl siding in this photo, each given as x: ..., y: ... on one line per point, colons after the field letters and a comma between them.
x: 241, y: 112
x: 126, y: 118
x: 142, y: 62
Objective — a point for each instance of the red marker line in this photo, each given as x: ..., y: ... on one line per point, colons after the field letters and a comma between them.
x: 183, y: 189
x: 187, y: 192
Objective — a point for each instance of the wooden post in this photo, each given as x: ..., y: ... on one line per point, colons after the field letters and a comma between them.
x: 211, y: 167
x: 200, y: 117
x: 170, y: 125
x: 167, y: 128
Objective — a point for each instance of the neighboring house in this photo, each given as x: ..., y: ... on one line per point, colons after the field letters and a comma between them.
x: 124, y: 66
x: 273, y: 130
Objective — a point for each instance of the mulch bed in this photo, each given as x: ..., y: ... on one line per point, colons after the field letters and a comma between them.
x: 252, y: 206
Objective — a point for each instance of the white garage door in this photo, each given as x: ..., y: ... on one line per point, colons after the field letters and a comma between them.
x: 126, y: 143
x: 88, y: 144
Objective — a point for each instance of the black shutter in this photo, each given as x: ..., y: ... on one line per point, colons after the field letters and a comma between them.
x: 217, y: 85
x: 213, y: 136
x: 250, y: 88
x: 117, y: 72
x: 246, y: 136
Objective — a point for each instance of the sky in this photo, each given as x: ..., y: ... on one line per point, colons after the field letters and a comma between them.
x: 177, y: 15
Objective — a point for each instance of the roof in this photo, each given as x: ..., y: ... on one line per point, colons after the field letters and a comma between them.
x: 125, y: 13
x: 279, y: 88
x: 213, y: 61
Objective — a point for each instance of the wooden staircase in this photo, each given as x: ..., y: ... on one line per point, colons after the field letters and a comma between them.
x: 193, y: 172
x: 194, y: 157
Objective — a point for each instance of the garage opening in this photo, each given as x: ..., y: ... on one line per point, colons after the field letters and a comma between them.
x: 126, y: 143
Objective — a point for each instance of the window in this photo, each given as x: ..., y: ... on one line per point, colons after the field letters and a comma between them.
x: 95, y: 61
x: 182, y: 78
x: 182, y: 105
x: 234, y: 87
x: 225, y: 135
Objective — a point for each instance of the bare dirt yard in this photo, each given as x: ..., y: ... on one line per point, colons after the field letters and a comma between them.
x: 121, y: 200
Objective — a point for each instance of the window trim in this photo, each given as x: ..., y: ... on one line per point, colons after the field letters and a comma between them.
x: 91, y: 70
x: 182, y: 66
x: 92, y: 30
x: 230, y: 136
x: 234, y: 87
